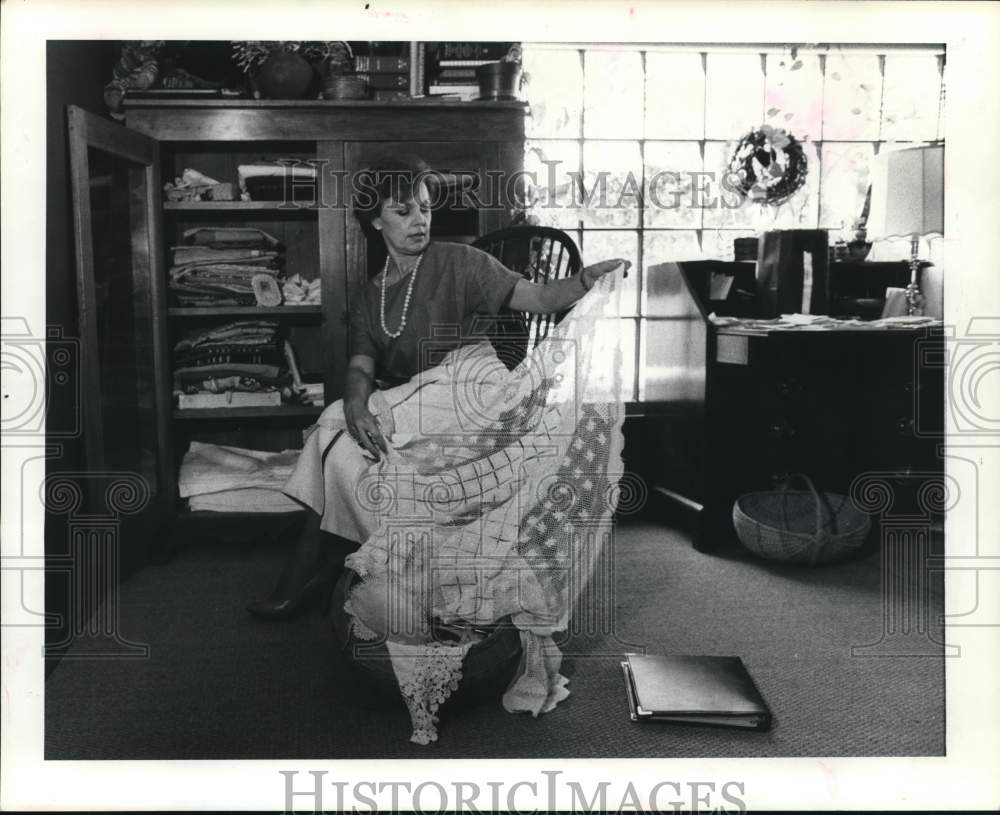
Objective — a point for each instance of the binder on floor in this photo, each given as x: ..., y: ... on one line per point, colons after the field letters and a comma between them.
x: 703, y: 690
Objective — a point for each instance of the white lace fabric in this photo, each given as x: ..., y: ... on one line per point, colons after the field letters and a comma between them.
x: 427, y: 675
x: 495, y: 501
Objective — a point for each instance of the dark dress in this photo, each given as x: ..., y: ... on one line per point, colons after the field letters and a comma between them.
x: 457, y: 290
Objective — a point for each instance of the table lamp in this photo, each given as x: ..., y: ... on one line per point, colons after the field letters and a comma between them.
x: 908, y: 201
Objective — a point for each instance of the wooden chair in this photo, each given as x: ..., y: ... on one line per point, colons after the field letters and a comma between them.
x: 541, y: 254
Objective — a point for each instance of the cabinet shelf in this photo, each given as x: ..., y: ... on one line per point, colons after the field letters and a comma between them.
x: 422, y: 103
x: 239, y: 206
x: 283, y: 412
x: 245, y: 311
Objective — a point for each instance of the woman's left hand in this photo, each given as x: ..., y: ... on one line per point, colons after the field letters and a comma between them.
x: 590, y: 274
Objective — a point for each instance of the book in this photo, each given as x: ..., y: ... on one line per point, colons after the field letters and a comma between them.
x: 230, y: 399
x: 703, y: 690
x: 463, y: 63
x: 381, y: 64
x: 473, y: 50
x: 463, y: 91
x: 418, y: 69
x: 384, y: 95
x: 389, y: 81
x: 460, y: 74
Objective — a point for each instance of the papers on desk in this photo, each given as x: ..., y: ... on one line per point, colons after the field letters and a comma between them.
x: 907, y: 321
x: 820, y: 322
x: 803, y: 319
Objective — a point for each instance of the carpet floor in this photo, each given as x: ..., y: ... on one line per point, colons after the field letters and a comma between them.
x: 217, y: 684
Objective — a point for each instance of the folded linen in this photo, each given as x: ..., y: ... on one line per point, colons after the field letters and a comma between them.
x: 264, y: 374
x: 247, y: 499
x: 212, y: 468
x: 231, y: 236
x: 239, y: 332
x: 191, y: 254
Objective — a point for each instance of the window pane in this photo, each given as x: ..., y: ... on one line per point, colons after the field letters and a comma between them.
x: 612, y: 175
x: 625, y: 339
x: 663, y: 245
x: 669, y: 179
x: 844, y: 184
x: 675, y: 96
x: 598, y: 246
x: 911, y: 97
x: 612, y: 95
x: 735, y: 95
x: 794, y: 94
x: 722, y: 208
x: 664, y: 370
x: 852, y: 97
x: 554, y: 92
x: 553, y: 194
x: 717, y: 244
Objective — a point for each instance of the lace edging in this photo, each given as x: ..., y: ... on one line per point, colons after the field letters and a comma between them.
x: 427, y: 676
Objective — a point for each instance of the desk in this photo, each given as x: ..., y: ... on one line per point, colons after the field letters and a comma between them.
x: 830, y: 403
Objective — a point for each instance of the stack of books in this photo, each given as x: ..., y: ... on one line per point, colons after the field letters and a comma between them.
x: 455, y: 67
x: 393, y: 70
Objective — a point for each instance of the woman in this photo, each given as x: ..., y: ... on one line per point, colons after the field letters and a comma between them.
x: 422, y: 286
x: 467, y: 452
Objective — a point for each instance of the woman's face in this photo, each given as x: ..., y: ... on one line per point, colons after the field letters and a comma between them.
x: 406, y: 225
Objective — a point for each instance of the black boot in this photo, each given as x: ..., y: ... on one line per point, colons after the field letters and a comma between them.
x: 315, y: 591
x: 308, y: 576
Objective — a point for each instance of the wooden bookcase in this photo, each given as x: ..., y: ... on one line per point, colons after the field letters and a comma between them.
x: 322, y: 240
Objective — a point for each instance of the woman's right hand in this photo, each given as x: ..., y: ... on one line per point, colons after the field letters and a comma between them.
x: 363, y: 427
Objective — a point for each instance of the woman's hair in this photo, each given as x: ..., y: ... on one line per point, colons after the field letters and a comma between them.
x: 388, y: 178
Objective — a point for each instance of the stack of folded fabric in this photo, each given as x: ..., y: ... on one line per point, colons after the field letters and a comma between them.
x: 232, y: 266
x: 286, y: 180
x: 231, y: 479
x: 237, y: 364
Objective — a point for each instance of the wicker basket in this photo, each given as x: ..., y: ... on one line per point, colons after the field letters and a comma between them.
x: 800, y: 526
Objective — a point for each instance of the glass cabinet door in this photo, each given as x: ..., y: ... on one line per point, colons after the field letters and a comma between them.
x: 124, y: 387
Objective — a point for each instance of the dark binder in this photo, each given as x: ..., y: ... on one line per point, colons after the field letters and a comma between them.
x: 781, y: 273
x: 716, y: 691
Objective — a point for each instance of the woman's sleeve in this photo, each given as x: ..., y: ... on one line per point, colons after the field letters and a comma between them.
x: 490, y: 283
x: 361, y: 341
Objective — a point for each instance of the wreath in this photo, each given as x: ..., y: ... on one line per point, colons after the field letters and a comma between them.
x: 768, y: 165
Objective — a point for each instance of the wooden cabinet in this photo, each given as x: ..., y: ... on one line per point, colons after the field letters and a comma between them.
x: 764, y: 404
x: 124, y: 383
x: 481, y: 141
x: 832, y: 404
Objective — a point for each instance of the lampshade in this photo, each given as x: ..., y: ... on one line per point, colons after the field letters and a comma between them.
x: 907, y: 193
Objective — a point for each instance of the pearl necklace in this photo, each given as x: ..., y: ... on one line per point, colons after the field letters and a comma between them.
x: 406, y: 301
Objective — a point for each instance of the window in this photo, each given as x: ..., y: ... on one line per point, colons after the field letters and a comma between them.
x: 626, y: 144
